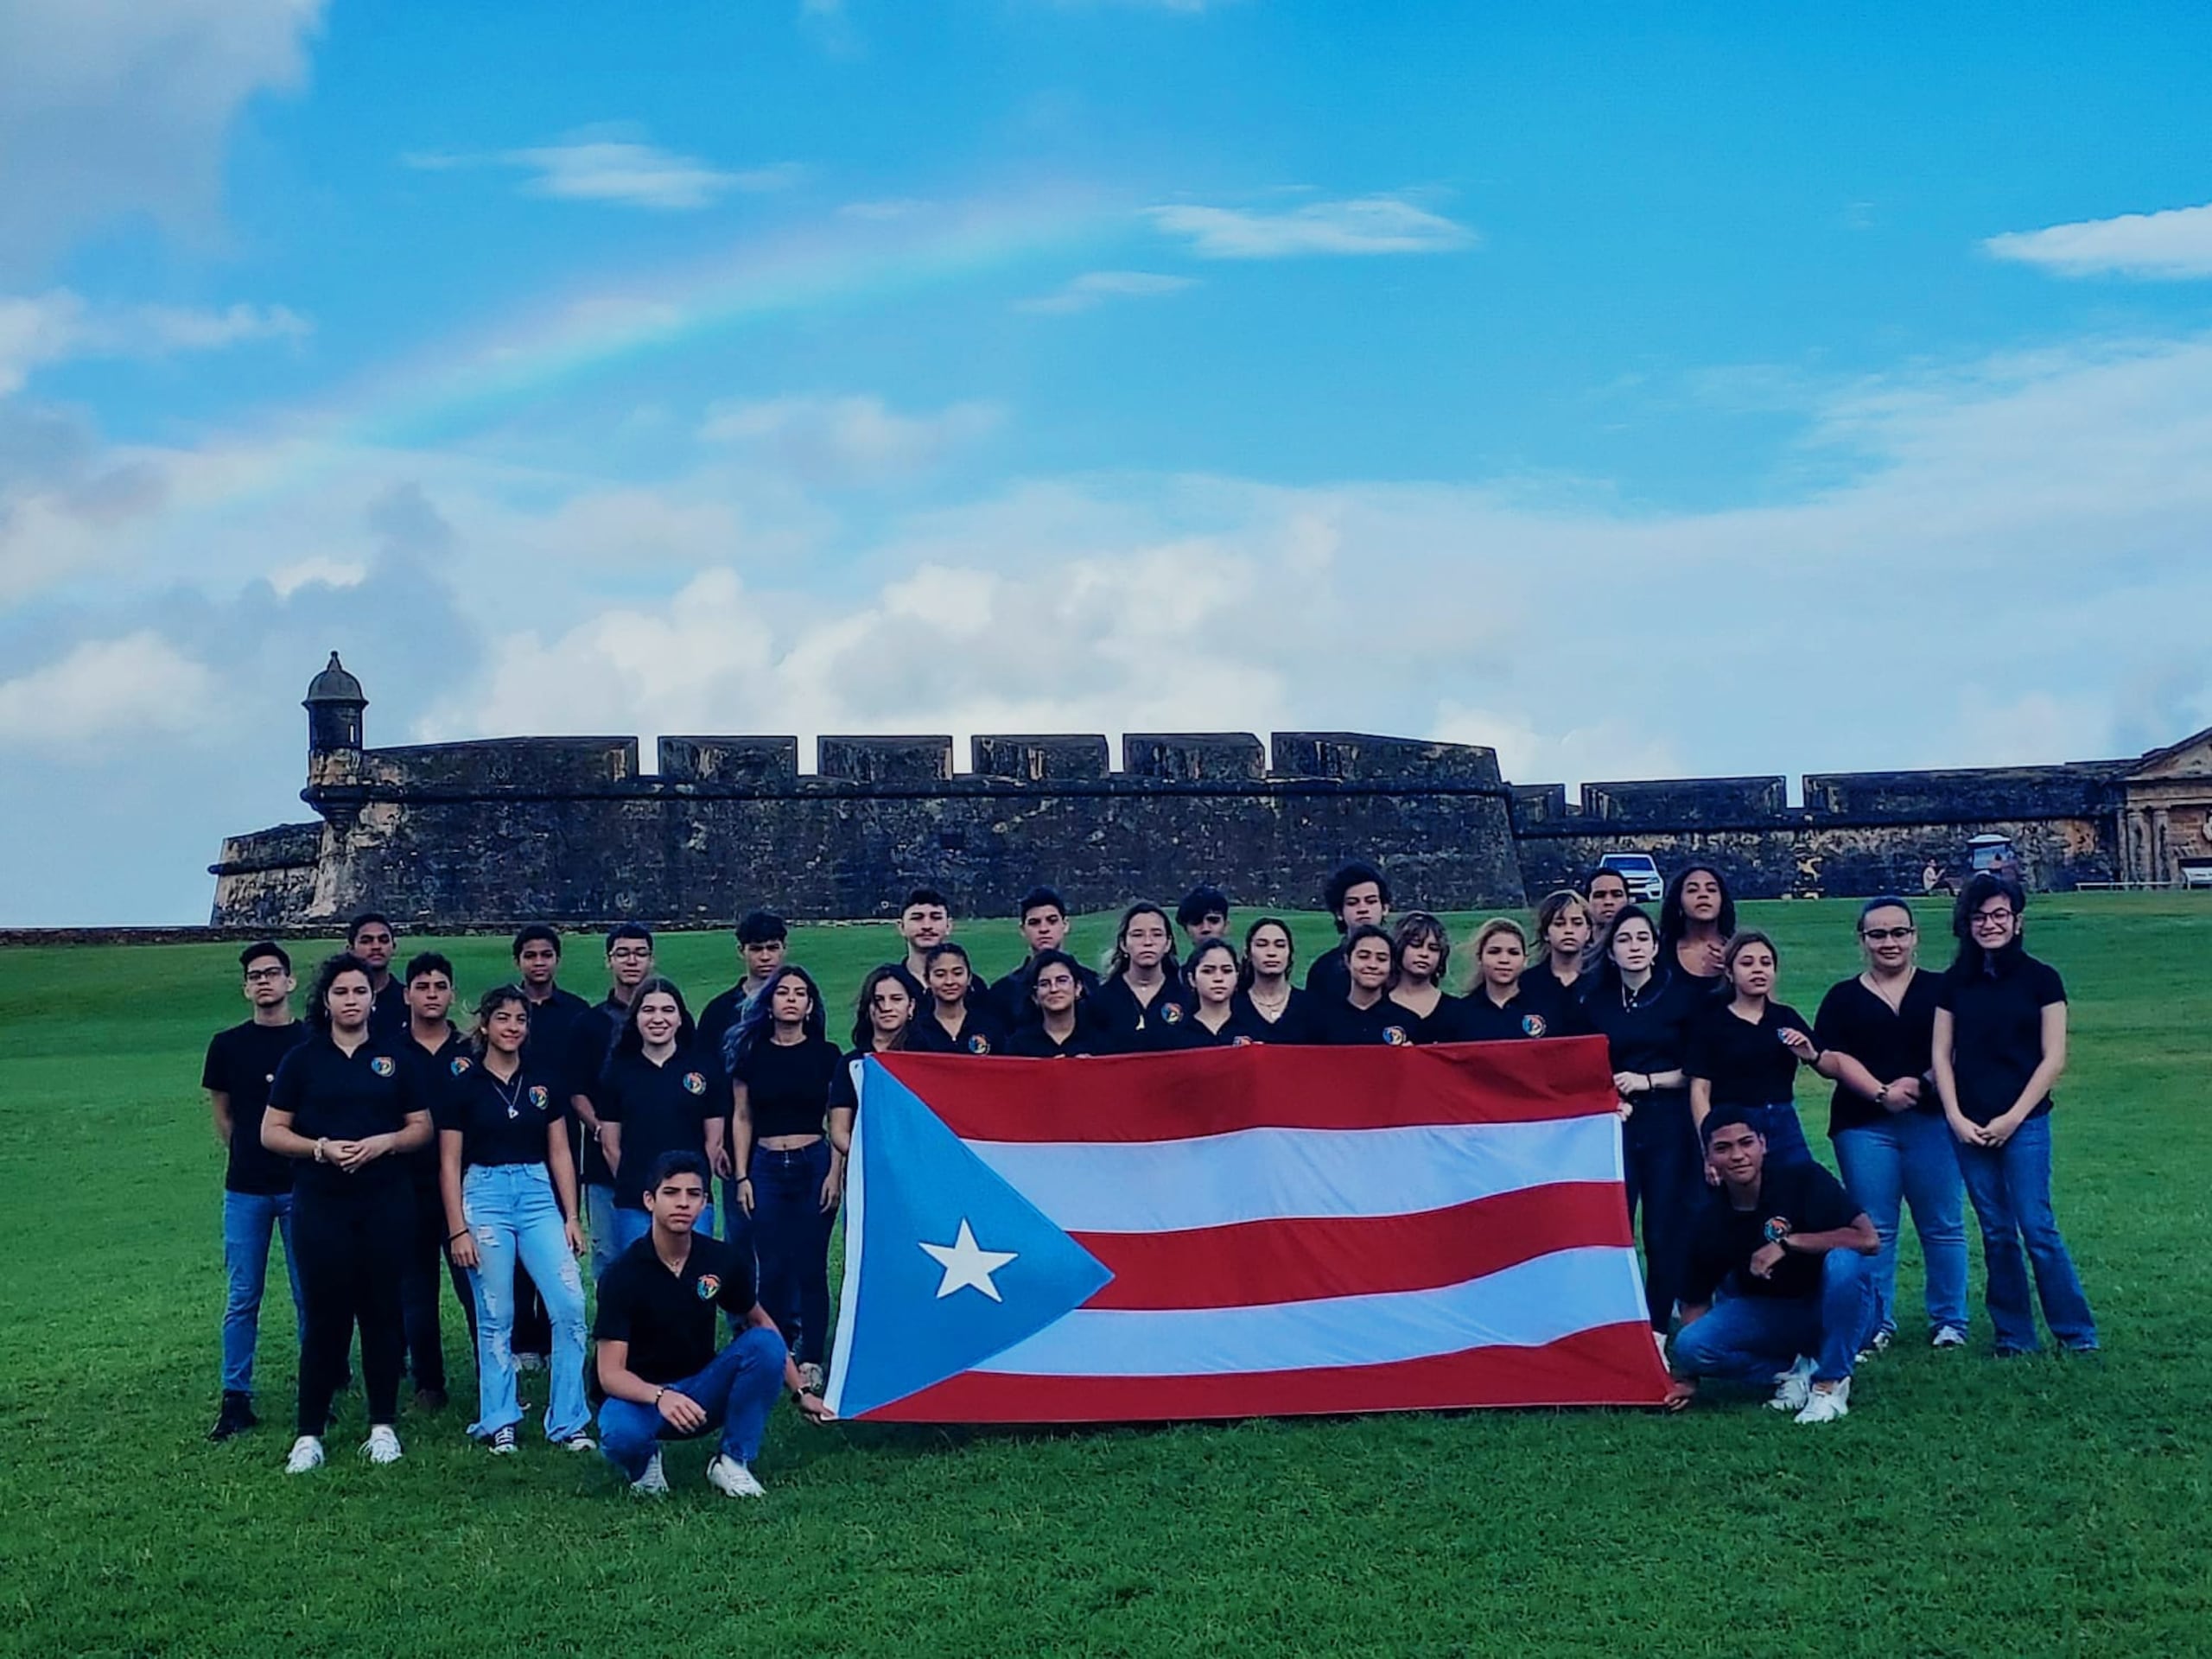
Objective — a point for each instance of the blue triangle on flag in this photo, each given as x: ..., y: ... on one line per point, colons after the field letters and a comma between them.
x: 918, y: 1317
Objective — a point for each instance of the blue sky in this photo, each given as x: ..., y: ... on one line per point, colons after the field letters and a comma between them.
x: 1681, y: 389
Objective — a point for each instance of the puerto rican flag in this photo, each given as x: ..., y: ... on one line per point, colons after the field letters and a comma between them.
x: 1234, y: 1232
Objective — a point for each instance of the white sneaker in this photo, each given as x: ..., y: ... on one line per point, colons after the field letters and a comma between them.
x: 653, y: 1483
x: 1877, y: 1346
x: 1948, y: 1336
x: 1826, y: 1405
x: 580, y: 1443
x: 732, y: 1478
x: 1793, y: 1387
x: 505, y: 1442
x: 381, y: 1445
x: 306, y: 1454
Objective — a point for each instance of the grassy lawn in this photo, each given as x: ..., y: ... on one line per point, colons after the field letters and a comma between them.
x: 1965, y: 1508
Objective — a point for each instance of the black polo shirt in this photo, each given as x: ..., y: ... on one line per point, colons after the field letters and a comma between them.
x: 1646, y: 1030
x: 844, y: 1096
x: 1745, y: 1063
x: 1997, y: 1030
x: 1010, y: 993
x: 981, y: 1031
x: 334, y: 1096
x: 719, y: 1015
x: 1558, y: 1002
x: 242, y: 1064
x: 1239, y: 1030
x: 1031, y: 1041
x: 1341, y: 1024
x: 1441, y: 1024
x: 590, y: 1044
x: 1114, y: 1008
x: 552, y: 1034
x: 388, y: 1013
x: 1796, y: 1198
x: 662, y: 1108
x: 787, y: 1085
x: 1295, y: 1024
x: 501, y: 1122
x: 436, y: 1071
x: 1892, y: 1042
x: 1328, y: 979
x: 1479, y: 1020
x: 669, y: 1319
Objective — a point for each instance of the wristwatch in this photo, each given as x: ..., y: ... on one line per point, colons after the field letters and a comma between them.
x: 1882, y: 1095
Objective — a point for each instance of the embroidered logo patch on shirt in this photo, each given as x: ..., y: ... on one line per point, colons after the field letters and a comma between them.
x: 709, y: 1286
x: 1396, y: 1037
x: 382, y: 1067
x: 978, y: 1044
x: 539, y: 1096
x: 1532, y: 1025
x: 1173, y: 1014
x: 694, y: 1083
x: 461, y: 1064
x: 1240, y: 1042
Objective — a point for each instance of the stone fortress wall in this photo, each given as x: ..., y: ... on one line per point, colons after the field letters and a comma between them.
x: 572, y: 831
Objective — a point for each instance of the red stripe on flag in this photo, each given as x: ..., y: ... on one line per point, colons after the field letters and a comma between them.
x: 1611, y: 1365
x: 1182, y: 1095
x: 1306, y: 1259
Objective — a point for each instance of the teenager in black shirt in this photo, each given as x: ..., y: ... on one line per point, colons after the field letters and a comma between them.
x: 1553, y: 979
x: 1876, y: 1032
x: 554, y: 1017
x: 241, y: 1063
x: 1644, y: 1011
x: 629, y: 964
x: 1779, y: 1289
x: 507, y: 1191
x: 661, y: 1091
x: 1606, y: 897
x: 1745, y: 1052
x: 657, y: 1326
x: 1273, y: 1009
x: 1423, y: 952
x: 1141, y: 985
x: 1356, y: 896
x: 882, y: 1015
x: 1061, y: 1027
x: 924, y: 922
x: 959, y: 1017
x: 433, y: 1045
x: 1203, y: 914
x: 1210, y: 975
x: 1696, y: 920
x: 1999, y: 1044
x: 347, y: 1113
x: 762, y: 940
x: 1364, y: 1013
x: 373, y: 940
x: 789, y: 1177
x: 1044, y: 918
x: 1496, y: 1009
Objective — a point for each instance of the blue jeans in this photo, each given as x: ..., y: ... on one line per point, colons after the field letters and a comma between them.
x: 736, y: 1391
x: 791, y: 1234
x: 631, y: 1225
x: 513, y: 1212
x: 1750, y: 1338
x: 598, y: 1222
x: 1912, y: 1157
x: 248, y: 1220
x: 2010, y: 1189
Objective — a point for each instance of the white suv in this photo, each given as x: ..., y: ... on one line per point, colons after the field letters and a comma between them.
x: 1639, y: 873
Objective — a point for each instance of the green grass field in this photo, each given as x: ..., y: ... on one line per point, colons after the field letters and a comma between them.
x: 1967, y: 1507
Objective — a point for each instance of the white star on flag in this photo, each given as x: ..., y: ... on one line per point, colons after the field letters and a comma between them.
x: 967, y: 1265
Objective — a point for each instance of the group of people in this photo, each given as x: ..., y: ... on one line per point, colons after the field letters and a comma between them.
x: 393, y: 1150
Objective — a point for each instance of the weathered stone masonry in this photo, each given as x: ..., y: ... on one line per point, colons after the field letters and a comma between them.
x: 569, y: 828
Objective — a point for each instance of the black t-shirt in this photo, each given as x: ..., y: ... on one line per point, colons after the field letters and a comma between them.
x: 388, y: 1013
x: 1889, y: 1043
x: 336, y: 1096
x: 1476, y: 1019
x: 981, y: 1031
x: 1295, y: 1024
x: 1997, y: 1030
x: 501, y: 1122
x: 1794, y: 1198
x: 242, y: 1064
x: 1745, y: 1063
x: 668, y: 1319
x: 844, y: 1096
x: 662, y: 1108
x: 1647, y: 1030
x: 1115, y: 1010
x: 591, y: 1042
x: 787, y: 1085
x: 1328, y: 979
x: 1032, y: 1042
x: 1341, y: 1024
x: 1010, y: 993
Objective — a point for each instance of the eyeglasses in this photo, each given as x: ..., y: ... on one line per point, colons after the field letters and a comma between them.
x: 1991, y: 917
x: 1877, y: 934
x: 262, y: 975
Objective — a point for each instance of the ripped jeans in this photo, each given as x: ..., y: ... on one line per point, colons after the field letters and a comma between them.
x: 514, y: 1215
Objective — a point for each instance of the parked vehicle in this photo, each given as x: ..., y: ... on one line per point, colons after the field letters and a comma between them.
x: 1639, y: 873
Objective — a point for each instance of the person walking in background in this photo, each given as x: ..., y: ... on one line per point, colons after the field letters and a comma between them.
x: 241, y: 1066
x: 347, y: 1113
x: 1356, y: 896
x: 1876, y: 1031
x: 1696, y: 920
x: 507, y: 1191
x: 1999, y: 1047
x: 1745, y: 1052
x: 1643, y: 1010
x: 790, y: 1178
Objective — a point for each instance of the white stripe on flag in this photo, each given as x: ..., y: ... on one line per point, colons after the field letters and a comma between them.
x: 1523, y: 1306
x: 1146, y: 1186
x: 848, y: 1298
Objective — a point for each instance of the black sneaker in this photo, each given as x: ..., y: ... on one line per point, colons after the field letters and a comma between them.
x: 235, y: 1418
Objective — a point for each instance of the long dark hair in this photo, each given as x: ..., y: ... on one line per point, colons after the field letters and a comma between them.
x: 1205, y: 948
x: 1608, y: 970
x: 1244, y: 971
x: 1982, y: 887
x: 864, y: 1008
x: 759, y: 1018
x: 1118, y: 960
x: 498, y: 996
x: 1418, y: 927
x: 344, y: 961
x: 1673, y: 925
x: 627, y: 1041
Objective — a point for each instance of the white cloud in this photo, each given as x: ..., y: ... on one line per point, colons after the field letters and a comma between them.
x: 40, y: 330
x: 2172, y: 245
x: 1095, y: 288
x: 103, y: 688
x: 112, y: 107
x: 288, y: 580
x: 1364, y: 224
x: 1534, y: 751
x: 848, y: 440
x: 624, y: 171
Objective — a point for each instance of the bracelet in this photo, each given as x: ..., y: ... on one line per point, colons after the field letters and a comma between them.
x: 744, y: 1180
x: 463, y: 1233
x: 318, y: 1149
